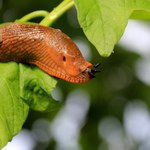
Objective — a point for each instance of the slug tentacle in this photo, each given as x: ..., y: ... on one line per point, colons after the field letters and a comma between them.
x: 48, y: 48
x: 97, y: 65
x: 92, y: 70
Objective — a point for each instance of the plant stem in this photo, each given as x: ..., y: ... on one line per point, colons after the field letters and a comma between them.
x: 39, y: 13
x: 57, y: 12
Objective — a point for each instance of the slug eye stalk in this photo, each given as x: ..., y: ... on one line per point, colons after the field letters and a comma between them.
x: 97, y: 65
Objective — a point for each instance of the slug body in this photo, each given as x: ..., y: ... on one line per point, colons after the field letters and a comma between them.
x: 48, y: 48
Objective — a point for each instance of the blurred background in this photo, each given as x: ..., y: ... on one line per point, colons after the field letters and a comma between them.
x: 111, y: 112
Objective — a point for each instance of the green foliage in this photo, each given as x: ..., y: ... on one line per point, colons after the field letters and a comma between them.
x: 21, y: 87
x: 35, y: 88
x: 104, y: 21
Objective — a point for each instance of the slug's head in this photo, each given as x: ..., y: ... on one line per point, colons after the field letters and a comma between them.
x: 71, y: 65
x: 76, y: 68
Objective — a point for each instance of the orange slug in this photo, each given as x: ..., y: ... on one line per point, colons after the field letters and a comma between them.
x: 48, y: 48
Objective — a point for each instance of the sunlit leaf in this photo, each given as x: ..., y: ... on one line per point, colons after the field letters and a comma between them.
x: 22, y: 87
x: 104, y: 21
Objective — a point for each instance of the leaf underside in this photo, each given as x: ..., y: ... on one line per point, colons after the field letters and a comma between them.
x: 104, y: 21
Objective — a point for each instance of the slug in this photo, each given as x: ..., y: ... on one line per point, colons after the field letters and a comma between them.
x: 48, y: 48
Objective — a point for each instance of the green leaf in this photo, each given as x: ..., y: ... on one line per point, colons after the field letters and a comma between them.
x: 13, y: 111
x: 22, y: 87
x: 104, y: 21
x: 140, y: 14
x: 36, y: 87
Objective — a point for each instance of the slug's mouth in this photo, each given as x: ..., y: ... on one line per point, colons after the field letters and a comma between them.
x: 92, y: 70
x: 89, y: 73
